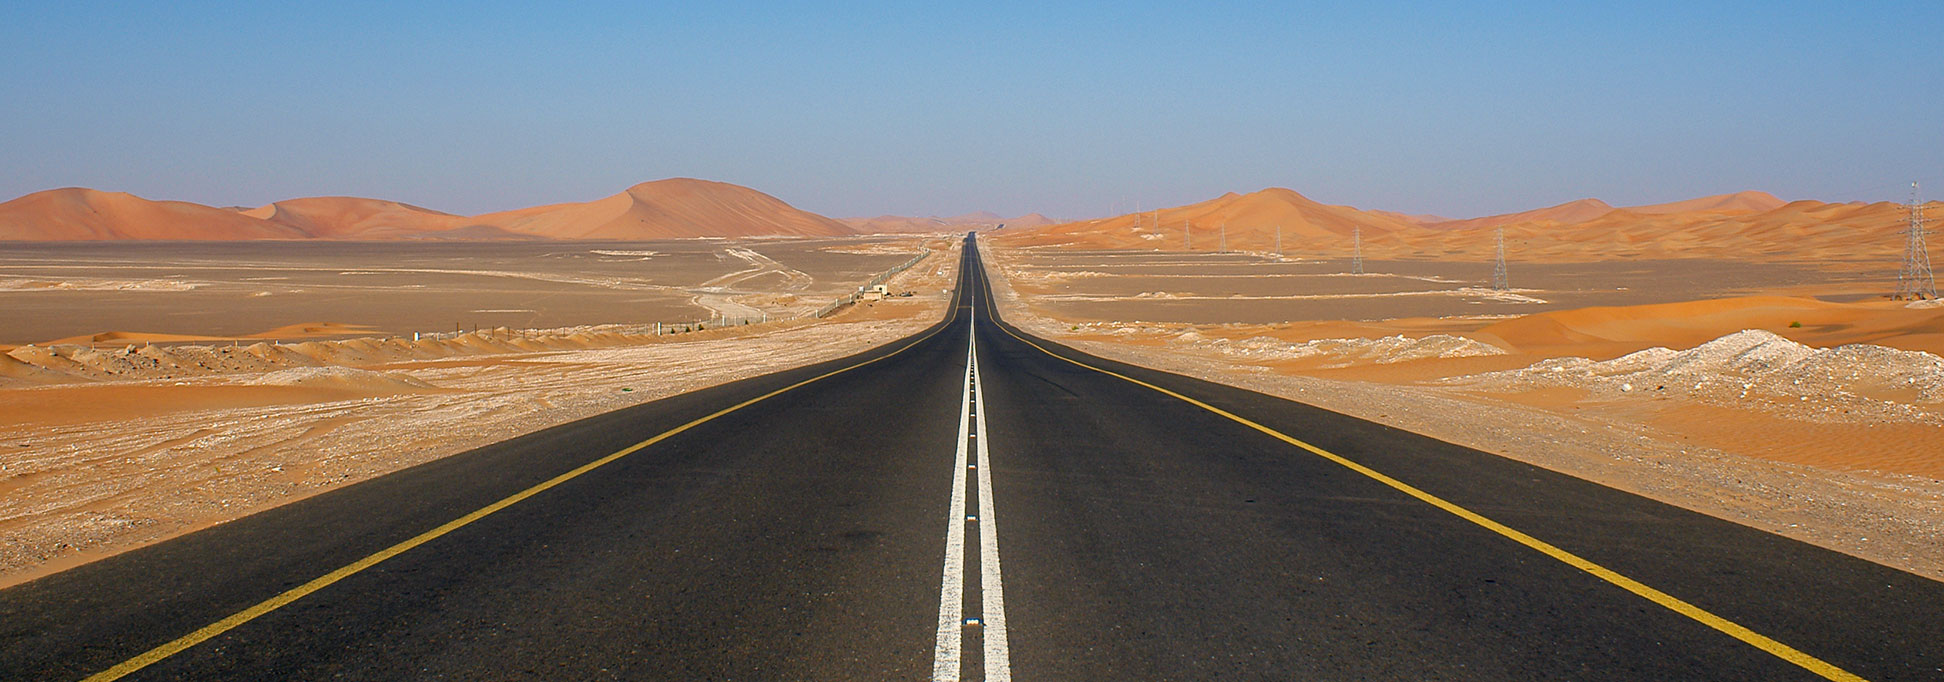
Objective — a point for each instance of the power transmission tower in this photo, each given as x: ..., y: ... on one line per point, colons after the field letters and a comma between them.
x: 1914, y: 280
x: 1224, y: 237
x: 1279, y: 252
x: 1187, y: 238
x: 1498, y: 270
x: 1356, y: 253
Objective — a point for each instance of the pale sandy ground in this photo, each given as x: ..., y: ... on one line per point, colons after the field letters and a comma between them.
x: 1841, y: 447
x: 97, y: 463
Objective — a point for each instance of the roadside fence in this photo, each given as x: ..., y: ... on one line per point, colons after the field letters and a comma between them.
x: 880, y: 279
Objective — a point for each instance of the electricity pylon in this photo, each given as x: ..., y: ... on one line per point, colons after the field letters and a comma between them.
x: 1914, y: 280
x: 1356, y: 252
x: 1498, y: 270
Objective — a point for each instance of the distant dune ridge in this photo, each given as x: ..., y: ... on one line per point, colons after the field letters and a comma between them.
x: 75, y: 214
x: 894, y: 224
x: 663, y: 209
x: 1250, y: 219
x: 1741, y: 225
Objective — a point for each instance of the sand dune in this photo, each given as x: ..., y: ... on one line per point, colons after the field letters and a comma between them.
x: 354, y: 218
x: 1250, y: 221
x: 1576, y: 211
x: 76, y: 214
x: 663, y: 209
x: 1739, y: 202
x: 1740, y: 226
x: 1418, y: 219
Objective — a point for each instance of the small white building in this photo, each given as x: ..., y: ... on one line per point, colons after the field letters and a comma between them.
x: 875, y: 292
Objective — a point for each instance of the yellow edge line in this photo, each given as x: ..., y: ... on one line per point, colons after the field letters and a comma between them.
x: 1675, y: 604
x: 172, y: 648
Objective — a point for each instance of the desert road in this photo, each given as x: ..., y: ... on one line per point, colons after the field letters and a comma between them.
x: 975, y: 503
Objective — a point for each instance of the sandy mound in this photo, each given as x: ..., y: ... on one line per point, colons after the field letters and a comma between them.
x: 1755, y: 369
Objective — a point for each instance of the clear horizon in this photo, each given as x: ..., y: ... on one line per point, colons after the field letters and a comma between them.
x: 1071, y: 111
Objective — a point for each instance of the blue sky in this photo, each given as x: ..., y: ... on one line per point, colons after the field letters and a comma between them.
x: 1456, y: 108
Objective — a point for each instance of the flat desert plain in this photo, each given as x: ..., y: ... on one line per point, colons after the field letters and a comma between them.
x: 179, y: 398
x: 69, y: 292
x: 1793, y: 396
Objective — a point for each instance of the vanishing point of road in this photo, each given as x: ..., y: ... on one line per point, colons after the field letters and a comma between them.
x: 975, y: 503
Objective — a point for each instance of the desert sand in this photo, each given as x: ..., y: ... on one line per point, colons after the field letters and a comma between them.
x: 674, y: 208
x: 1742, y: 227
x: 114, y: 445
x: 118, y: 292
x: 1735, y: 355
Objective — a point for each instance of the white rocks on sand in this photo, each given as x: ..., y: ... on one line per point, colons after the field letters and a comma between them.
x: 1345, y: 352
x: 1755, y: 368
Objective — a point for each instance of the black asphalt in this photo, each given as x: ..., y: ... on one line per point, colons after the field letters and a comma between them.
x: 1141, y: 537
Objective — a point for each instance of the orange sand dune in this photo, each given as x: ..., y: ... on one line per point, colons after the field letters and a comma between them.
x: 664, y: 209
x: 1739, y: 226
x: 76, y: 214
x: 353, y: 217
x: 673, y: 208
x: 1250, y: 221
x: 1419, y: 219
x: 1740, y: 202
x: 1802, y: 230
x: 1577, y: 211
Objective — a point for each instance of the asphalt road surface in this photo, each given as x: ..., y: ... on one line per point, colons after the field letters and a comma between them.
x: 972, y: 503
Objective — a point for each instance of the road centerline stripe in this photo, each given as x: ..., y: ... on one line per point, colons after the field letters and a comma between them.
x: 998, y: 655
x: 948, y: 661
x: 207, y: 632
x: 951, y: 594
x: 1736, y: 630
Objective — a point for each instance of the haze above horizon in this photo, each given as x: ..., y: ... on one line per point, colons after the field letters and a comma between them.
x: 1073, y: 111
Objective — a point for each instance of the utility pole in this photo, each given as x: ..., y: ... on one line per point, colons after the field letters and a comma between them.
x: 1914, y: 280
x: 1498, y: 270
x: 1279, y: 240
x: 1356, y: 253
x: 1224, y: 237
x: 1187, y: 229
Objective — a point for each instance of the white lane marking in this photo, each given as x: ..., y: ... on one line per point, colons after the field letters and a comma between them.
x: 990, y: 625
x: 951, y: 593
x: 998, y: 657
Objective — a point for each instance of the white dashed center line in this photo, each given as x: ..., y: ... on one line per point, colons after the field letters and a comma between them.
x: 988, y: 626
